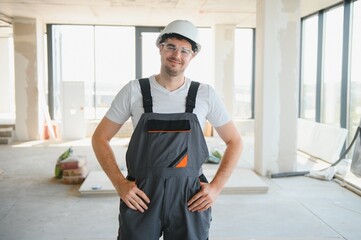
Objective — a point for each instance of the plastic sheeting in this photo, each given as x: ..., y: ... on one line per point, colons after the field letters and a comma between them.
x: 356, y: 157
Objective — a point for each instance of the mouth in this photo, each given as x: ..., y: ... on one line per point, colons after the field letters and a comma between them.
x: 174, y: 61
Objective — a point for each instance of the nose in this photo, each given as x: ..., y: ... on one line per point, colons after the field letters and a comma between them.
x: 177, y: 52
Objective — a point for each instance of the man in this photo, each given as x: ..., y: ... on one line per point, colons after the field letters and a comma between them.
x: 165, y: 192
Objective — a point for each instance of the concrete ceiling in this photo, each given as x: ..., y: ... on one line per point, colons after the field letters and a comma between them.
x: 203, y: 13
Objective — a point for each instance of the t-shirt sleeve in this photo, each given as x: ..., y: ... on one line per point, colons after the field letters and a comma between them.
x: 119, y: 111
x: 218, y: 114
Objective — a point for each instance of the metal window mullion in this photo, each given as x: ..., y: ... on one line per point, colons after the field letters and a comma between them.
x: 49, y: 38
x: 320, y: 55
x: 253, y: 76
x: 138, y: 52
x: 345, y: 64
x: 95, y: 76
x: 300, y: 82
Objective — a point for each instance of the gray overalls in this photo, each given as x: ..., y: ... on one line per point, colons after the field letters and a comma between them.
x: 164, y: 158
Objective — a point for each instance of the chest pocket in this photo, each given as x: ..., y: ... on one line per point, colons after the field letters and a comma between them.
x: 155, y: 126
x: 168, y: 142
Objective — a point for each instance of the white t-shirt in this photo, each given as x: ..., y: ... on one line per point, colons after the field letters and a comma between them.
x: 129, y: 103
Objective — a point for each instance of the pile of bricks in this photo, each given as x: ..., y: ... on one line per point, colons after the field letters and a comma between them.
x: 72, y: 169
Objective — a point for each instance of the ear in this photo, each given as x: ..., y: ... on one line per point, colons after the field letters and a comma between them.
x: 160, y: 47
x: 193, y: 55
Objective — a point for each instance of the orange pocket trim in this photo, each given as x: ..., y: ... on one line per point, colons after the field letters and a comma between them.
x: 183, y: 163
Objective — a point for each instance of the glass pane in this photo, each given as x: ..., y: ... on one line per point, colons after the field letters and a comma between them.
x: 201, y: 68
x: 332, y: 71
x: 309, y: 67
x: 355, y: 70
x: 114, y: 64
x: 150, y: 54
x: 74, y: 61
x: 243, y: 72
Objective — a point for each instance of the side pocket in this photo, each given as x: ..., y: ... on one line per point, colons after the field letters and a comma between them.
x: 203, y: 178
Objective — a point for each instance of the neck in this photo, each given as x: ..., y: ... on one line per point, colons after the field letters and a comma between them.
x: 170, y: 83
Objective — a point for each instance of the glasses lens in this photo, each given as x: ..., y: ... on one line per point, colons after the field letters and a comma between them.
x: 186, y: 51
x: 171, y: 48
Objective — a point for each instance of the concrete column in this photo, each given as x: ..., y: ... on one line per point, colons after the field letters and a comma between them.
x: 224, y: 62
x: 276, y: 103
x: 28, y: 57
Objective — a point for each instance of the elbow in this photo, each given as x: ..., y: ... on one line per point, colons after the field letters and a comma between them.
x: 236, y: 142
x: 97, y: 138
x: 94, y: 139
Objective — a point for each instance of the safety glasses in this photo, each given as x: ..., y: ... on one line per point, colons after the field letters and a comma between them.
x: 171, y: 48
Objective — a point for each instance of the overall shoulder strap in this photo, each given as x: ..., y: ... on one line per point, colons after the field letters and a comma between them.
x: 191, y: 97
x: 147, y: 97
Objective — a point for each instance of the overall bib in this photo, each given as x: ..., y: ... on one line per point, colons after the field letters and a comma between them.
x: 164, y: 158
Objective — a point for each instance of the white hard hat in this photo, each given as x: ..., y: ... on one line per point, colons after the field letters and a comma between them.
x: 183, y: 28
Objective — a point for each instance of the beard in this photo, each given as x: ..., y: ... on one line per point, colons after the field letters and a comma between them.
x: 173, y: 71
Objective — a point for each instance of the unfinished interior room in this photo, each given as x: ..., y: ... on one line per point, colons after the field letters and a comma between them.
x: 287, y: 71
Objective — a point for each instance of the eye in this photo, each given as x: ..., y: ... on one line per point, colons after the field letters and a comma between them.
x: 171, y: 47
x: 186, y: 51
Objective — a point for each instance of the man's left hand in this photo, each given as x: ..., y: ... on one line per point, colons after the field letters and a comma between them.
x: 204, y: 199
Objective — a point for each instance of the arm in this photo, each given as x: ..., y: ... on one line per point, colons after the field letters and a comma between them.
x: 209, y: 192
x: 132, y: 196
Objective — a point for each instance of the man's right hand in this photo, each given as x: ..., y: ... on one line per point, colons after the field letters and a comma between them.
x: 132, y: 196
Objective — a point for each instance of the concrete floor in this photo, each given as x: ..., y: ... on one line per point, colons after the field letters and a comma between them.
x: 35, y: 206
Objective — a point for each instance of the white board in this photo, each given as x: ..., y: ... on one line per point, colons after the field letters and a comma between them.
x: 73, y: 125
x: 320, y: 140
x: 241, y: 181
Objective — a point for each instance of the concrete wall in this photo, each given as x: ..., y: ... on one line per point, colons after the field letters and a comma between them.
x: 276, y: 104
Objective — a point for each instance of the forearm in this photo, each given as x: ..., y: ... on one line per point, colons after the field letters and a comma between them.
x: 204, y: 199
x: 229, y: 162
x: 107, y: 161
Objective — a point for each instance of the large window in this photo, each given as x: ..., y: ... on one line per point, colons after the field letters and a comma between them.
x: 114, y: 64
x: 355, y: 70
x: 322, y: 66
x: 334, y: 79
x: 150, y: 54
x: 309, y: 67
x: 337, y: 86
x: 103, y: 57
x: 73, y: 60
x: 332, y: 67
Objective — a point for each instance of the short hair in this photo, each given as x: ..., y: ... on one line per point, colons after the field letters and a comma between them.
x: 179, y: 37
